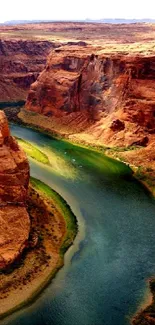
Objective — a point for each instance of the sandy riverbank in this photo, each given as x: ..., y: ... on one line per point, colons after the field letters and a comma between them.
x: 53, y: 229
x: 146, y: 313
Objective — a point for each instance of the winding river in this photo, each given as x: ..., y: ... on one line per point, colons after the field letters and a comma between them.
x: 104, y: 278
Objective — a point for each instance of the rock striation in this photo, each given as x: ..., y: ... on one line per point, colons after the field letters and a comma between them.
x: 113, y: 94
x: 14, y: 179
x: 21, y: 61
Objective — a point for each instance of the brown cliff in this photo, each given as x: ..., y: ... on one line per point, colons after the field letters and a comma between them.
x: 24, y: 48
x: 21, y: 61
x: 14, y: 178
x: 109, y: 99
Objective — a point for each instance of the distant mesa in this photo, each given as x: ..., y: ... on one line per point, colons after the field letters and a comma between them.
x: 87, y: 20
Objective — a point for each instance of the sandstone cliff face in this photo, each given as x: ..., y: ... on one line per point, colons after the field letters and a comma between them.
x: 114, y: 94
x: 14, y: 178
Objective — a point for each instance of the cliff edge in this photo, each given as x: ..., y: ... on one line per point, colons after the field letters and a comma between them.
x: 14, y: 179
x: 104, y: 99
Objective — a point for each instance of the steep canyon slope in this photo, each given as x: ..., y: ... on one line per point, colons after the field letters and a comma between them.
x: 23, y: 52
x: 14, y: 179
x: 104, y: 99
x: 21, y: 61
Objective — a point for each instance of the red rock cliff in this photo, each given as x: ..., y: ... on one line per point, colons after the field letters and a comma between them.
x: 114, y: 94
x: 21, y: 61
x: 14, y: 178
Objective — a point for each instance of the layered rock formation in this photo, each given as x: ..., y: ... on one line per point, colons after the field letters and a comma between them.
x: 21, y: 61
x: 105, y: 99
x: 14, y: 178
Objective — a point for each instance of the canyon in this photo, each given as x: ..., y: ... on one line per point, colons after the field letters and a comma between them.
x: 107, y: 100
x: 92, y: 84
x: 100, y: 95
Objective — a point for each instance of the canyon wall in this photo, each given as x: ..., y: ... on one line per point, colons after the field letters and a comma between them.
x: 21, y: 61
x: 14, y: 179
x: 105, y: 99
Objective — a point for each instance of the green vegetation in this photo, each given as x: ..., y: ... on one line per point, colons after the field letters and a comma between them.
x: 122, y: 149
x: 92, y: 160
x: 33, y: 152
x: 146, y: 176
x: 89, y: 157
x: 64, y: 208
x: 140, y: 173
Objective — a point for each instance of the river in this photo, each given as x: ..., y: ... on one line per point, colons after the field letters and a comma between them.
x: 104, y: 278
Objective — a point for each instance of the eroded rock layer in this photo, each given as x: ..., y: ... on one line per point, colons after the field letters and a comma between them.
x: 113, y: 94
x: 14, y: 178
x: 21, y: 61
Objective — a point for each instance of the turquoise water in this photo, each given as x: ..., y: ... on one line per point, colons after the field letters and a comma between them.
x: 104, y: 278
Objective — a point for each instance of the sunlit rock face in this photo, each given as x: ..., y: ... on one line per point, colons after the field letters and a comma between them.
x: 14, y: 178
x: 114, y: 93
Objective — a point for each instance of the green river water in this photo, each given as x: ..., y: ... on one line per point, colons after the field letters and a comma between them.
x: 103, y: 281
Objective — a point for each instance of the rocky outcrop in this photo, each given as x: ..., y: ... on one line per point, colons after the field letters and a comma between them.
x: 114, y: 93
x: 14, y: 178
x: 117, y: 125
x: 21, y: 61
